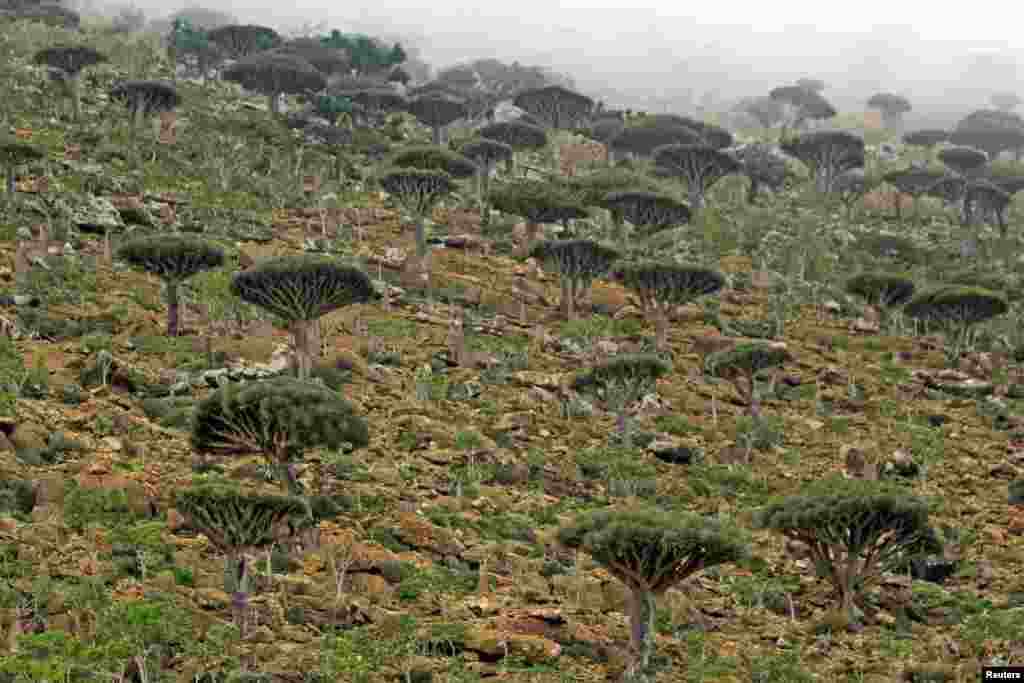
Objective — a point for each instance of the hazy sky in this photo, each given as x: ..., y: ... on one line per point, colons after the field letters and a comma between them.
x: 658, y: 48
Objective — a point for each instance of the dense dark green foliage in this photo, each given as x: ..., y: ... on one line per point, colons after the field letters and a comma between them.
x: 280, y: 418
x: 171, y: 257
x: 555, y: 106
x: 652, y: 549
x: 516, y: 134
x: 273, y: 73
x: 302, y: 287
x: 701, y: 166
x: 647, y: 211
x: 881, y: 289
x: 434, y: 158
x: 437, y: 110
x: 537, y: 201
x: 238, y: 41
x: 855, y: 529
x: 174, y: 259
x: 928, y: 137
x: 234, y: 521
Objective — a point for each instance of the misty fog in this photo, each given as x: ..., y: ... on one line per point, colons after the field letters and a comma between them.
x: 652, y: 58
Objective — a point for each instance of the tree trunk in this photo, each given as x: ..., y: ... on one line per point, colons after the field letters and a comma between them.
x: 566, y: 300
x: 752, y: 192
x: 173, y: 307
x: 10, y: 180
x: 238, y: 571
x: 641, y: 627
x: 76, y: 97
x: 436, y: 134
x: 300, y: 330
x: 421, y: 238
x: 660, y: 316
x: 274, y: 103
x: 696, y: 200
x: 532, y: 234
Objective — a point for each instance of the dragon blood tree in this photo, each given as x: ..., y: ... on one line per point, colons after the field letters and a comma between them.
x: 238, y: 41
x: 893, y: 107
x: 300, y: 289
x: 418, y: 190
x: 742, y: 364
x: 238, y: 524
x: 577, y: 263
x: 328, y: 61
x: 145, y: 98
x: 914, y: 182
x: 955, y: 310
x: 434, y: 158
x: 14, y: 153
x: 762, y: 166
x: 641, y: 140
x: 982, y: 199
x: 710, y: 134
x: 273, y: 73
x: 279, y: 418
x: 622, y: 380
x: 376, y: 102
x: 555, y: 106
x: 647, y: 212
x: 928, y: 138
x: 991, y: 141
x: 517, y: 135
x: 827, y: 154
x: 700, y: 166
x: 650, y: 551
x: 663, y: 286
x: 802, y: 105
x: 69, y: 60
x: 174, y: 259
x: 437, y: 111
x: 963, y: 160
x: 538, y: 202
x: 485, y: 154
x: 855, y: 530
x: 881, y: 291
x: 605, y: 128
x: 766, y: 110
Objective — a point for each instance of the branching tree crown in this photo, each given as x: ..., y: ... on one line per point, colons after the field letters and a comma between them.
x: 855, y: 530
x: 301, y: 289
x: 418, y: 189
x: 827, y: 154
x: 555, y: 106
x: 642, y: 140
x: 273, y: 73
x: 516, y: 134
x: 434, y: 158
x: 741, y: 364
x: 237, y: 524
x: 69, y: 60
x: 649, y: 212
x: 963, y: 160
x: 578, y: 262
x: 174, y: 259
x: 663, y: 286
x: 437, y: 111
x: 956, y: 309
x: 145, y: 98
x: 241, y: 40
x: 651, y: 551
x: 14, y: 153
x: 701, y: 166
x: 929, y: 137
x: 280, y: 418
x: 892, y: 106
